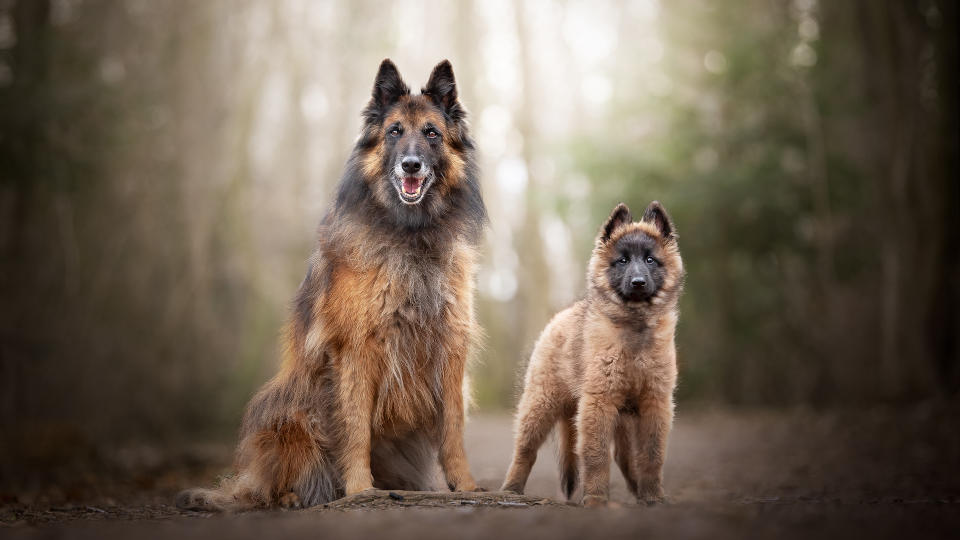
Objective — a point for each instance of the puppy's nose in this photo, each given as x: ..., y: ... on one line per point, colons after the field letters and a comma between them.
x: 410, y: 164
x: 637, y: 282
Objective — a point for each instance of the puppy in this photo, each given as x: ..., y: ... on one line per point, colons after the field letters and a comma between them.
x: 605, y: 368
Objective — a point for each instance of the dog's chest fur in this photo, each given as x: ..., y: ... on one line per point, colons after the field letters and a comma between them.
x: 626, y: 362
x: 398, y: 314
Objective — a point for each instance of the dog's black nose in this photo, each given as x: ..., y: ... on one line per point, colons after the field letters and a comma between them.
x: 410, y: 164
x: 637, y: 282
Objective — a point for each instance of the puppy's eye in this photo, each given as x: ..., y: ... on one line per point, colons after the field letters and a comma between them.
x: 622, y: 260
x: 432, y: 134
x: 395, y: 132
x: 651, y: 260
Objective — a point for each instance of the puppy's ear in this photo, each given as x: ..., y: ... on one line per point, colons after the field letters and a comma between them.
x: 618, y: 218
x: 442, y: 89
x: 388, y: 87
x: 656, y: 215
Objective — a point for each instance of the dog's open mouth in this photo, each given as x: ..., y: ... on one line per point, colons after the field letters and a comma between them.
x: 411, y: 188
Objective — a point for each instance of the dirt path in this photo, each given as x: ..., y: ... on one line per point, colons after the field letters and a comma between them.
x: 728, y: 475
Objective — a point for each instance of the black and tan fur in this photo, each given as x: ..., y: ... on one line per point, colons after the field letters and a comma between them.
x: 371, y: 391
x: 604, y: 369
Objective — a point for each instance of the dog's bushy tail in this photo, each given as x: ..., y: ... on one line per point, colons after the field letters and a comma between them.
x: 231, y: 495
x: 283, y: 474
x: 209, y: 500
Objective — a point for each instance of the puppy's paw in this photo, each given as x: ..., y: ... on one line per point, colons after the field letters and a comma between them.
x: 512, y: 488
x: 651, y: 496
x: 594, y: 501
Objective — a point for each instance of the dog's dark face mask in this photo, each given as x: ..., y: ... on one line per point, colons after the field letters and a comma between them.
x: 636, y: 271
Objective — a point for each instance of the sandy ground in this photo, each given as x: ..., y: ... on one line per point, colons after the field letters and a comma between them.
x: 882, y: 473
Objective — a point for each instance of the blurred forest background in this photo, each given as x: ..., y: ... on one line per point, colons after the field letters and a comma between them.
x: 163, y: 166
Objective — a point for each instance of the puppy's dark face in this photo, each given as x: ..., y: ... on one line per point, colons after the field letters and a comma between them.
x: 636, y: 269
x: 637, y: 263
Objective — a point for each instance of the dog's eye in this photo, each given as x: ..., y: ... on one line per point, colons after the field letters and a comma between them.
x: 651, y: 260
x: 395, y: 132
x: 432, y: 134
x: 622, y: 260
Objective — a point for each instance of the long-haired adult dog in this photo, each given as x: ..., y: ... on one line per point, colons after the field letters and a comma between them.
x: 605, y: 368
x: 371, y: 389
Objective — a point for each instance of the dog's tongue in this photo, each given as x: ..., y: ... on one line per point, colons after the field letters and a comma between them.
x: 411, y: 185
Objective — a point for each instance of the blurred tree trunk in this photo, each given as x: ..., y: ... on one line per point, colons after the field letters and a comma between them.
x: 533, y: 291
x: 23, y: 110
x: 897, y: 51
x: 943, y: 319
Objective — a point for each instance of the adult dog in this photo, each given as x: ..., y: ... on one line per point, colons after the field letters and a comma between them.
x: 371, y: 389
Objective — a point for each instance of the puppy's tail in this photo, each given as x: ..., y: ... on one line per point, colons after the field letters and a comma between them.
x: 567, y: 456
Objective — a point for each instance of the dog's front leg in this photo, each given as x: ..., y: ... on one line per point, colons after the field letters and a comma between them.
x: 656, y: 417
x: 355, y: 400
x: 596, y: 419
x: 453, y: 457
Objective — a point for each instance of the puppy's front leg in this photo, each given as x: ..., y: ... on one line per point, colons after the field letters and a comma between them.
x: 355, y: 400
x: 453, y: 457
x: 656, y: 418
x: 596, y: 419
x: 625, y: 449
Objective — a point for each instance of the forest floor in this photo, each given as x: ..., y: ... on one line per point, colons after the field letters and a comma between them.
x: 729, y: 474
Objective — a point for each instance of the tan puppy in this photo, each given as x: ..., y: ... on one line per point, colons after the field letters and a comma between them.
x: 605, y: 368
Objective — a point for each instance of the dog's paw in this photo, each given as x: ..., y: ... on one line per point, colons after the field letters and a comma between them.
x: 290, y: 501
x: 512, y: 488
x: 467, y: 485
x: 594, y: 501
x: 358, y: 490
x: 652, y: 500
x: 651, y: 496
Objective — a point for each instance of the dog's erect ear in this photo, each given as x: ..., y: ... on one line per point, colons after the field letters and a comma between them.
x: 618, y: 218
x: 388, y: 86
x: 442, y: 89
x: 656, y: 215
